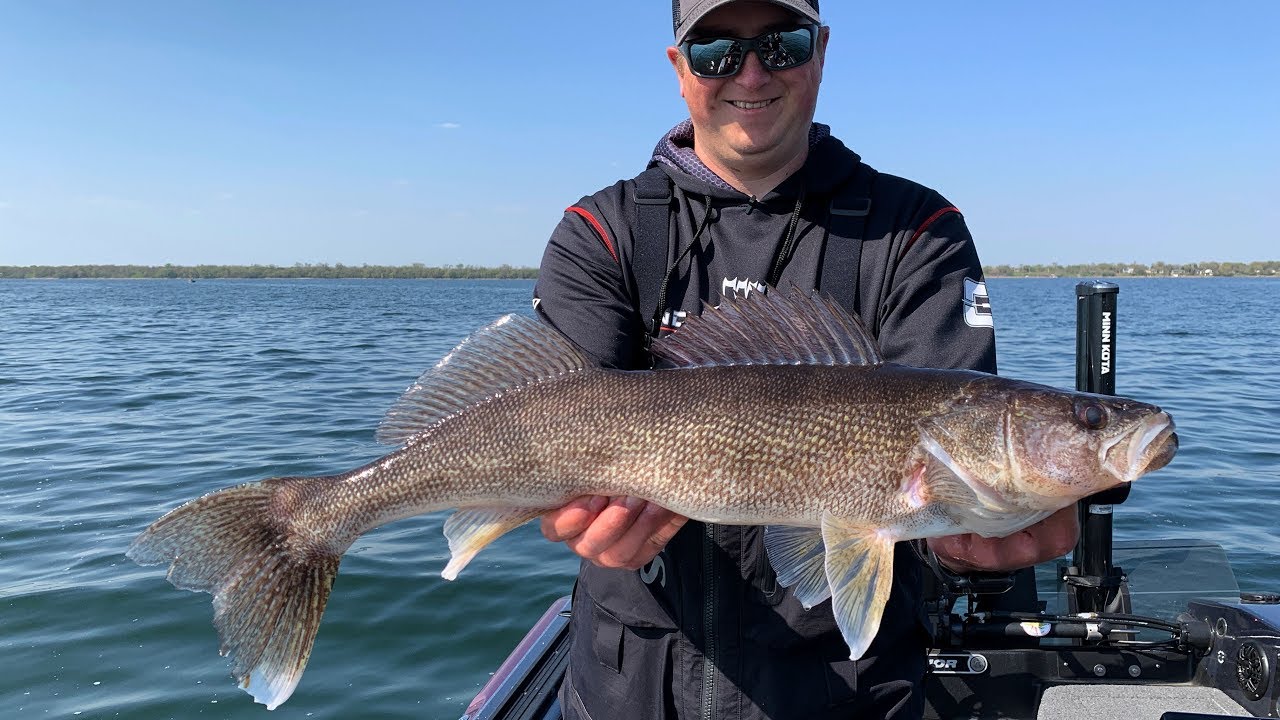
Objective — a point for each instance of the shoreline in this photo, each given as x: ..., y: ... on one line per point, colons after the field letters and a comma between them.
x: 419, y: 271
x: 1100, y: 276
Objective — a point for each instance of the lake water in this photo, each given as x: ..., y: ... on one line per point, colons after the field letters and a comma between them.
x: 122, y: 399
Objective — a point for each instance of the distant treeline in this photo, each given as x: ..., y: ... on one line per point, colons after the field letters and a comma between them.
x: 418, y: 270
x: 209, y: 272
x: 1269, y: 268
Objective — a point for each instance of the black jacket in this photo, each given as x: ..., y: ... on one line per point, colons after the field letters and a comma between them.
x: 705, y: 630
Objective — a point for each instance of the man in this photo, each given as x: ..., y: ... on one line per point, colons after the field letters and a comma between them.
x: 673, y: 618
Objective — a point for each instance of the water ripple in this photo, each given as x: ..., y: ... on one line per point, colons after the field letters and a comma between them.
x: 121, y: 400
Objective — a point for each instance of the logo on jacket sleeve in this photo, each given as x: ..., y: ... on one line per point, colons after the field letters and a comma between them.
x: 977, y: 305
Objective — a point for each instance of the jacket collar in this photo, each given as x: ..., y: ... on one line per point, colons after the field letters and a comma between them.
x: 828, y: 164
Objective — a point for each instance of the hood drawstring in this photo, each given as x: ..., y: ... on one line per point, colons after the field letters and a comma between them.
x: 780, y: 262
x: 788, y: 245
x: 662, y: 291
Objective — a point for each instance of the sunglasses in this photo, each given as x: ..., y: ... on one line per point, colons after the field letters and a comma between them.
x: 721, y: 57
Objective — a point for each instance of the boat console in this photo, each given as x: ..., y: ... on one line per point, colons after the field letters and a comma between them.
x: 1192, y: 643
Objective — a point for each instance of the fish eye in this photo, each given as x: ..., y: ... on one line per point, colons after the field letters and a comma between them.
x: 1091, y: 415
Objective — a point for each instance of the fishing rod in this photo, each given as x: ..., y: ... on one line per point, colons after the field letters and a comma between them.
x: 1005, y: 629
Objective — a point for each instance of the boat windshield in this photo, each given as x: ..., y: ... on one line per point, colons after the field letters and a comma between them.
x: 1163, y: 575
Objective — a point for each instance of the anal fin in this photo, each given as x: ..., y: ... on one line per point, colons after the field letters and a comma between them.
x: 469, y: 530
x: 859, y: 566
x: 799, y: 558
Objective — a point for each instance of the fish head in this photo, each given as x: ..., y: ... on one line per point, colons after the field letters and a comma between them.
x: 1020, y: 446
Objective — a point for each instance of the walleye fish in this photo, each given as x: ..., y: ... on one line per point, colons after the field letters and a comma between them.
x: 788, y: 418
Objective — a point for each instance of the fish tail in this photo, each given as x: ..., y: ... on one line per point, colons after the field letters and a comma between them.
x: 269, y: 584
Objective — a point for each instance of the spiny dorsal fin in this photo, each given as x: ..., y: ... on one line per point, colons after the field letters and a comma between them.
x: 773, y: 328
x: 513, y: 352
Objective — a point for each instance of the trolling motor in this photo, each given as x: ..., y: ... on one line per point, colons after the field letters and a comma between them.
x: 1099, y: 585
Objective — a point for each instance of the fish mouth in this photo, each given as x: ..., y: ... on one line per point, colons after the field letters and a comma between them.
x: 1152, y: 447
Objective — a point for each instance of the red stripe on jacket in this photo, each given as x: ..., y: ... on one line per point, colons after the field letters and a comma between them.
x: 924, y: 226
x: 604, y: 236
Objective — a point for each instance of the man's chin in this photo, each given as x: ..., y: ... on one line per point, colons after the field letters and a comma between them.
x: 754, y: 147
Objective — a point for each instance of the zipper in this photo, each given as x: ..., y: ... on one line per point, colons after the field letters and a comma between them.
x: 709, y: 536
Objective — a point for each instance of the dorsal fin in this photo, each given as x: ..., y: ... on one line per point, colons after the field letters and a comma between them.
x: 513, y: 352
x: 773, y: 328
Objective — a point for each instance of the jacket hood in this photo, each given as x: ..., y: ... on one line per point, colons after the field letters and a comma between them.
x: 822, y: 172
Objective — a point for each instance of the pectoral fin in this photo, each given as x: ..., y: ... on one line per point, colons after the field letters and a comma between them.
x: 947, y: 479
x: 859, y: 567
x: 799, y: 559
x: 470, y: 529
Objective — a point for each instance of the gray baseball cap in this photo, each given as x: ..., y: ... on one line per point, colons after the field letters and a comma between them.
x: 686, y: 13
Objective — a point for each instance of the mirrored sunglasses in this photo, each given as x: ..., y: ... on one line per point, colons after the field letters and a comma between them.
x: 721, y: 57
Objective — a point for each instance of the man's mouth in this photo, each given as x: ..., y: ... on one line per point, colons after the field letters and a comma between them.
x: 744, y: 105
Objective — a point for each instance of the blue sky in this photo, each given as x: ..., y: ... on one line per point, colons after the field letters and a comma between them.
x: 442, y: 133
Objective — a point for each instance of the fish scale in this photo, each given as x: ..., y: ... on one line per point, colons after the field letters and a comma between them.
x: 776, y: 410
x: 707, y: 449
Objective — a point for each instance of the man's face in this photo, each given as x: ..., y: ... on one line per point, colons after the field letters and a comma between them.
x: 756, y: 118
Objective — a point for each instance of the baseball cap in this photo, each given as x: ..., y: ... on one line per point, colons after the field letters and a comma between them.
x: 686, y: 13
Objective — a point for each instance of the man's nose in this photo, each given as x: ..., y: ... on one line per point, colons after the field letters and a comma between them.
x: 753, y: 73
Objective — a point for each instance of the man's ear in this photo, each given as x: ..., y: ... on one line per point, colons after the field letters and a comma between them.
x: 824, y: 33
x: 677, y: 61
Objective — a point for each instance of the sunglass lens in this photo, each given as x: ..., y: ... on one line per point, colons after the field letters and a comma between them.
x: 715, y: 57
x: 783, y: 50
x: 722, y: 57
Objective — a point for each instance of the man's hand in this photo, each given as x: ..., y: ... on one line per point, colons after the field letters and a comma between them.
x: 623, y: 532
x: 1050, y: 538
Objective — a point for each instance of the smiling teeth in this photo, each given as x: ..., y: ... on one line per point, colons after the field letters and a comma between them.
x: 750, y: 105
